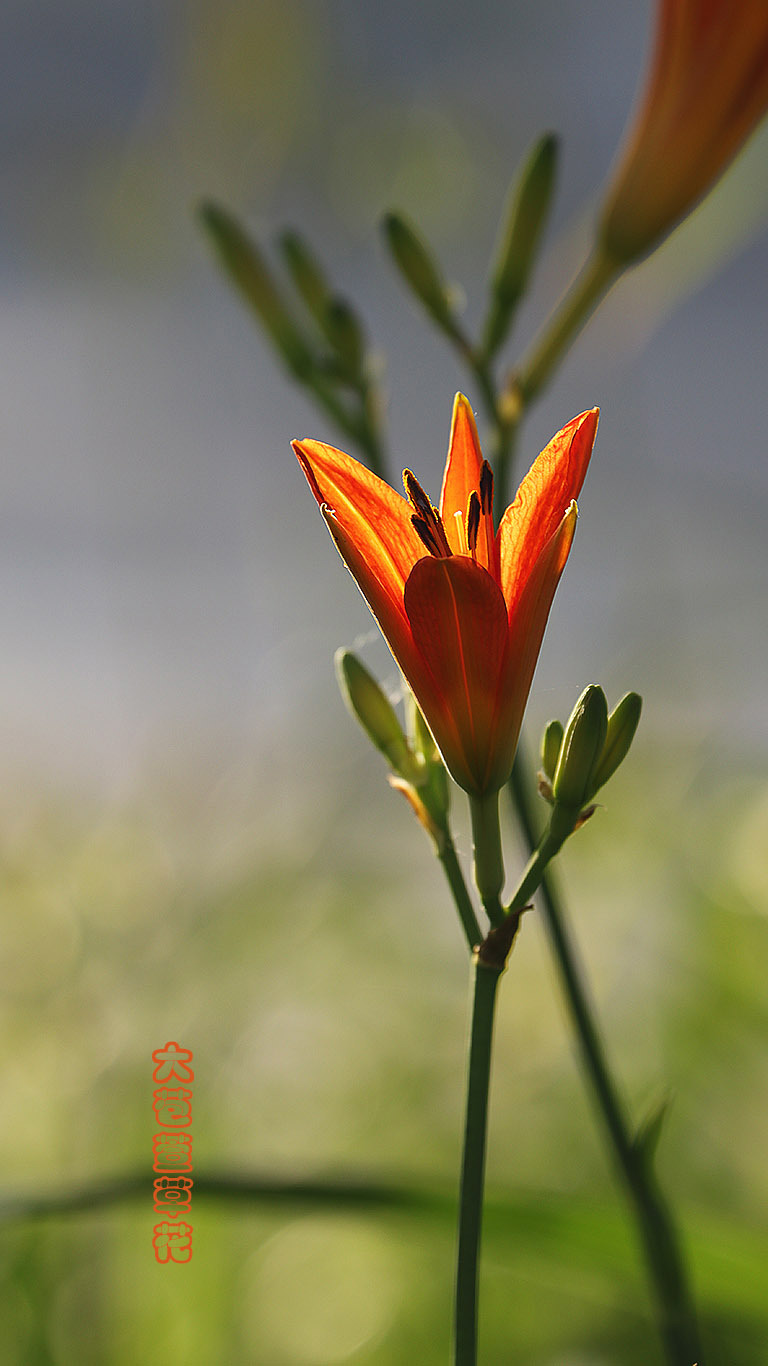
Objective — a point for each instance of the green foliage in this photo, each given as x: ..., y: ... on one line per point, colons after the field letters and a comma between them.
x: 247, y: 268
x: 327, y: 351
x: 121, y: 925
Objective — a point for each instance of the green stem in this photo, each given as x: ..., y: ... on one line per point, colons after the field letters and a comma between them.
x: 488, y: 857
x: 488, y: 965
x: 452, y: 868
x: 485, y: 980
x: 658, y: 1234
x: 573, y: 312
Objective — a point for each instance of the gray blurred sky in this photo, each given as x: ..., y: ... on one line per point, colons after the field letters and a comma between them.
x: 167, y: 587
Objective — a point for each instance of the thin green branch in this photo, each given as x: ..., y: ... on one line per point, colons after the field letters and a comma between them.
x: 460, y: 893
x: 658, y: 1234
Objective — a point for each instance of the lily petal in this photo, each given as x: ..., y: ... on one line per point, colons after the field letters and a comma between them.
x: 524, y: 642
x: 462, y: 469
x: 459, y: 623
x: 551, y: 485
x: 387, y: 608
x: 371, y: 513
x: 707, y: 88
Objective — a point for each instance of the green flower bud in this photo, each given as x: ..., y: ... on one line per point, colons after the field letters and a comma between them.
x: 336, y: 319
x: 420, y: 736
x: 420, y: 270
x: 248, y: 270
x: 367, y: 702
x: 581, y: 749
x: 345, y: 333
x: 524, y: 222
x: 551, y: 744
x: 433, y: 783
x: 306, y: 273
x: 622, y: 724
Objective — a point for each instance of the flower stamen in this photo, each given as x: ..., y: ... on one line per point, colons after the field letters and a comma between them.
x: 473, y: 522
x: 427, y: 520
x: 486, y: 489
x: 458, y: 517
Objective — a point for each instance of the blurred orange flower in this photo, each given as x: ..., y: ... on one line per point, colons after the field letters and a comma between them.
x: 707, y: 89
x: 461, y: 605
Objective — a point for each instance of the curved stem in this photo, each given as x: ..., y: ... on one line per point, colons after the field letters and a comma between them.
x: 575, y: 309
x: 460, y: 893
x: 658, y: 1234
x: 485, y: 980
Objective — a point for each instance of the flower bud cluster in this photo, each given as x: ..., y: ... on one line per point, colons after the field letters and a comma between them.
x: 578, y: 759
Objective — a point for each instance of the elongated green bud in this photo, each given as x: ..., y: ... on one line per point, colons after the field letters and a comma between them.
x: 434, y: 787
x: 248, y: 270
x: 306, y: 273
x: 581, y: 749
x: 551, y: 742
x: 345, y: 333
x: 368, y: 703
x: 524, y: 221
x: 419, y: 735
x: 336, y: 319
x: 622, y: 724
x: 420, y: 270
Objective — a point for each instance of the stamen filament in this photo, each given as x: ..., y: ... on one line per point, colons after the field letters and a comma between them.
x: 461, y: 531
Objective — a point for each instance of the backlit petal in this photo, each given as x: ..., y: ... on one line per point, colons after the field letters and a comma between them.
x: 553, y: 482
x: 459, y: 624
x: 526, y: 632
x: 372, y: 514
x: 462, y: 469
x: 387, y: 607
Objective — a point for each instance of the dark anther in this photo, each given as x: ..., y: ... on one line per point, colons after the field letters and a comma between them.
x: 427, y: 521
x: 427, y: 533
x: 417, y: 495
x: 486, y: 488
x: 473, y: 521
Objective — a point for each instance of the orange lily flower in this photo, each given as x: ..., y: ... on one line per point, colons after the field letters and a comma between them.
x: 461, y: 605
x: 707, y: 90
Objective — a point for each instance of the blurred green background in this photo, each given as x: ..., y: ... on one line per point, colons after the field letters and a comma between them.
x: 196, y: 843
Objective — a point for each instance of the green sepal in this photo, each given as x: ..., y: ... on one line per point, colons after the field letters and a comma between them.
x: 371, y: 707
x: 420, y: 271
x: 622, y: 725
x: 524, y: 221
x: 581, y: 749
x: 246, y: 267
